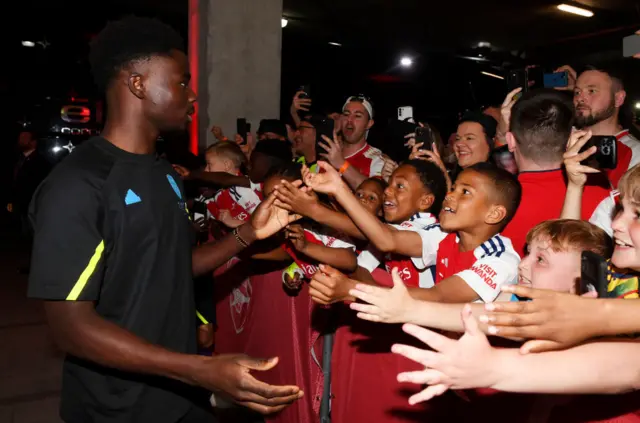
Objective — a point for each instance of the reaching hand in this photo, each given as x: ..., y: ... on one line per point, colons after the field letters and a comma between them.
x: 217, y: 132
x: 295, y: 234
x: 228, y: 221
x: 554, y: 320
x: 572, y: 76
x: 269, y: 219
x: 388, y: 168
x: 386, y: 305
x: 469, y: 362
x: 576, y: 172
x: 505, y: 112
x: 295, y: 199
x: 230, y: 376
x: 298, y: 103
x: 182, y: 171
x: 326, y: 181
x: 329, y: 286
x: 333, y: 151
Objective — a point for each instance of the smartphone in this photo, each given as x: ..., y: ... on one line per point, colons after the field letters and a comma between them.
x: 593, y: 274
x: 535, y: 78
x: 556, y: 80
x: 242, y: 129
x: 405, y: 113
x: 517, y: 79
x: 425, y: 136
x: 606, y: 157
x: 306, y: 91
x: 631, y: 45
x: 324, y: 126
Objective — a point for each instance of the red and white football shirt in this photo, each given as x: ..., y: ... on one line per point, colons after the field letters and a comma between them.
x: 628, y: 156
x: 485, y: 269
x: 240, y: 202
x: 368, y: 161
x: 413, y: 274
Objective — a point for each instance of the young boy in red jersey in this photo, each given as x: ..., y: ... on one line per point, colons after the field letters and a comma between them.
x: 473, y: 261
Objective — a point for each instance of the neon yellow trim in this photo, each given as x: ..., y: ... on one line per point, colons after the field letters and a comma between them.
x: 86, y: 274
x: 202, y: 319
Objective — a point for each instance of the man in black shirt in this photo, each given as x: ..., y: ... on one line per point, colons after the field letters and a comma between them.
x: 112, y: 255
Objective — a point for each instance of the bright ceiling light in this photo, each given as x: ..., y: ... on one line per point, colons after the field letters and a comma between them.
x: 484, y: 44
x: 333, y: 43
x: 406, y: 62
x: 284, y: 22
x: 575, y: 10
x: 493, y: 75
x: 638, y: 105
x: 28, y: 44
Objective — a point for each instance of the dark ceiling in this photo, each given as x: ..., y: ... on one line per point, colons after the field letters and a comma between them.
x: 440, y: 35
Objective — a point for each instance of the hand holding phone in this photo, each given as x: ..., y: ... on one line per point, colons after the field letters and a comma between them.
x: 243, y: 128
x: 606, y: 155
x: 424, y: 135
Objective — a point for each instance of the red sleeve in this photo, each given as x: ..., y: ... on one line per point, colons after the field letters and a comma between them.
x: 624, y: 159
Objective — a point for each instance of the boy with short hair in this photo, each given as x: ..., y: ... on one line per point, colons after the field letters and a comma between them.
x: 472, y: 260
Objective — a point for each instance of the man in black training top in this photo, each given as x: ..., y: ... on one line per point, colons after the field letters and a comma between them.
x: 113, y: 258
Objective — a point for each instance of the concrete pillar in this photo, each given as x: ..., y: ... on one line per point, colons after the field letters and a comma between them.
x: 238, y: 62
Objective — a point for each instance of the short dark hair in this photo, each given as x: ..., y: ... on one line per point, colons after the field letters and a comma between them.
x: 433, y: 179
x: 290, y: 171
x: 541, y: 122
x: 382, y: 184
x: 230, y: 151
x: 616, y: 79
x: 128, y: 40
x: 505, y: 189
x: 488, y: 123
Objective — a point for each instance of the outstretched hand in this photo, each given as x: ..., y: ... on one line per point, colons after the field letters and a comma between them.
x: 552, y: 320
x: 326, y: 181
x: 385, y: 305
x: 229, y: 375
x: 269, y: 219
x: 469, y: 362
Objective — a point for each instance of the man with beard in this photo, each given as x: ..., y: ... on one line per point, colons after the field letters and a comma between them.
x: 598, y: 98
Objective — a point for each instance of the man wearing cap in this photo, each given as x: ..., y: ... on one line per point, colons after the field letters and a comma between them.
x: 355, y: 159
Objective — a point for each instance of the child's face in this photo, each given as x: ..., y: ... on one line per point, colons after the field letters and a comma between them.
x: 216, y: 163
x: 626, y: 234
x: 467, y: 205
x: 405, y: 196
x: 543, y: 268
x: 370, y: 195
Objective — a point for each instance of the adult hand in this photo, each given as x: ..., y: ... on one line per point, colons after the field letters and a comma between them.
x: 269, y: 219
x: 333, y: 151
x: 553, y: 320
x: 572, y: 77
x: 329, y: 286
x: 229, y: 376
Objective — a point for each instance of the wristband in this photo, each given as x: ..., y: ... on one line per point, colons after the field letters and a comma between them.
x: 344, y: 167
x: 239, y: 239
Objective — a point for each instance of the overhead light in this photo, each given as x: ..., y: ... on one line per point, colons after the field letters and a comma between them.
x: 493, y: 75
x: 638, y: 105
x: 406, y: 62
x: 575, y: 10
x: 28, y: 44
x: 484, y: 44
x: 333, y: 43
x: 284, y: 22
x: 56, y: 149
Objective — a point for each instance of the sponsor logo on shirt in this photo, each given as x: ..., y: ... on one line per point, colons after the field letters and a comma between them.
x: 486, y: 273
